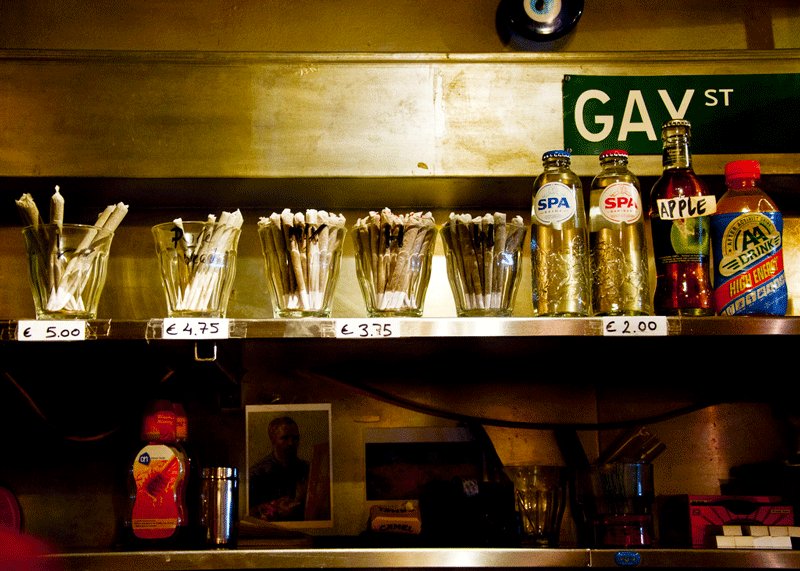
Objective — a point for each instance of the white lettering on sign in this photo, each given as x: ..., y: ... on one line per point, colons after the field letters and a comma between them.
x: 607, y: 121
x: 635, y: 106
x: 636, y: 102
x: 673, y: 112
x: 712, y: 100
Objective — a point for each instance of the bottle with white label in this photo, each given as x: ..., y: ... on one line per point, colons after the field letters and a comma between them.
x: 747, y: 242
x: 560, y: 271
x: 680, y: 222
x: 617, y: 240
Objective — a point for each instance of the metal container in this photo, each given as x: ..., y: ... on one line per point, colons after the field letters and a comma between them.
x: 219, y: 498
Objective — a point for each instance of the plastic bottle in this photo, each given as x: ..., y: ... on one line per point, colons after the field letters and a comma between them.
x: 680, y: 221
x: 187, y: 520
x: 617, y: 240
x: 747, y: 242
x: 560, y: 272
x: 156, y: 476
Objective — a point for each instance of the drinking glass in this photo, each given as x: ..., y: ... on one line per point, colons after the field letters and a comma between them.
x: 540, y: 492
x: 67, y: 266
x: 198, y: 266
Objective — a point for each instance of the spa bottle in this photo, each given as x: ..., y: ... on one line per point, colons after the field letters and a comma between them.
x: 680, y: 221
x: 155, y: 478
x: 747, y: 243
x: 561, y: 284
x: 617, y: 241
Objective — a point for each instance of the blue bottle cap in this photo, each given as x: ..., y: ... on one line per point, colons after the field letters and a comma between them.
x: 556, y: 153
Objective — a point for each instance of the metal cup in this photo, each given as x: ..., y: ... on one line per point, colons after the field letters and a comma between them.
x: 219, y: 495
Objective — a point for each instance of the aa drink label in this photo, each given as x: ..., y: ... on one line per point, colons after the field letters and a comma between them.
x: 620, y: 202
x: 555, y: 202
x: 749, y: 272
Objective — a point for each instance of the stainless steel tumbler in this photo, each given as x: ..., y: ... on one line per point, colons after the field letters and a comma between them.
x: 219, y: 500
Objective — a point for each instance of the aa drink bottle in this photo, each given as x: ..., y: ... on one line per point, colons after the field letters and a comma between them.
x: 747, y: 242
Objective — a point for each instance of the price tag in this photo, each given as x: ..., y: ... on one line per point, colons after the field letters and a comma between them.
x: 622, y: 326
x: 51, y: 330
x: 195, y: 328
x: 366, y: 328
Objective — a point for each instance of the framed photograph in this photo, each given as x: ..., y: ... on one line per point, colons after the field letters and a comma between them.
x: 401, y: 462
x: 289, y: 477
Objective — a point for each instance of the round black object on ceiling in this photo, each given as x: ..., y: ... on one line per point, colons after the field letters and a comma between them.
x: 537, y: 20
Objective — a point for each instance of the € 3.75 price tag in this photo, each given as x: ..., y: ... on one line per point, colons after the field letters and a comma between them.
x: 366, y: 328
x: 195, y: 328
x: 625, y: 326
x: 51, y: 330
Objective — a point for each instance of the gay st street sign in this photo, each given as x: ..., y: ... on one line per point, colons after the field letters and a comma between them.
x: 730, y: 114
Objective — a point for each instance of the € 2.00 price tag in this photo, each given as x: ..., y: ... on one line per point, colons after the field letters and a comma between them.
x: 366, y: 328
x: 51, y: 330
x: 624, y: 326
x: 195, y: 328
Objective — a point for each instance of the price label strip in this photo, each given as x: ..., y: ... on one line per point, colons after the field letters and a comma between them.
x: 366, y: 328
x: 51, y: 330
x: 623, y: 326
x: 195, y: 328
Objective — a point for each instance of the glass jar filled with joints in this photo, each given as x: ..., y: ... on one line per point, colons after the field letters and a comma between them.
x: 198, y: 263
x: 302, y: 252
x: 483, y: 256
x: 393, y: 261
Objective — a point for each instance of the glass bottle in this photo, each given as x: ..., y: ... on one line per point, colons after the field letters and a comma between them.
x: 561, y: 283
x: 617, y: 240
x: 680, y: 222
x: 747, y: 242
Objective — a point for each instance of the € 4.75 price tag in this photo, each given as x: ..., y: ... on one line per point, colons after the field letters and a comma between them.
x: 624, y: 326
x: 195, y: 328
x: 51, y: 330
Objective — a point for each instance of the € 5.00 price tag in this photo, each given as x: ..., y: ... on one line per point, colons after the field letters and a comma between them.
x: 366, y: 328
x: 624, y: 326
x: 195, y: 328
x: 51, y: 330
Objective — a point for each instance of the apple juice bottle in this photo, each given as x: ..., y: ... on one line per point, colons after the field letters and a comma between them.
x: 747, y: 242
x: 680, y: 222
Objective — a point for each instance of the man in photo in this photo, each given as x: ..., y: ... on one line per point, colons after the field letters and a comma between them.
x: 279, y: 482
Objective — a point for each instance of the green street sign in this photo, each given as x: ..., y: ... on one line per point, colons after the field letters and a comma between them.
x: 730, y: 114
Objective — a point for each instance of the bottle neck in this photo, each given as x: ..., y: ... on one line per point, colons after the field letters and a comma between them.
x: 676, y: 153
x: 742, y: 184
x: 556, y: 164
x: 614, y: 163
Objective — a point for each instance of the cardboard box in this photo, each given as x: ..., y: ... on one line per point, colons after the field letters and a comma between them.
x: 696, y: 521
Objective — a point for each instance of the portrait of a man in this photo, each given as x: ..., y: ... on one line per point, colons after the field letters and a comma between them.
x: 289, y: 464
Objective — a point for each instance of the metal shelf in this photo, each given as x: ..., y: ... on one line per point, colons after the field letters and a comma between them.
x: 430, y: 558
x: 315, y: 328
